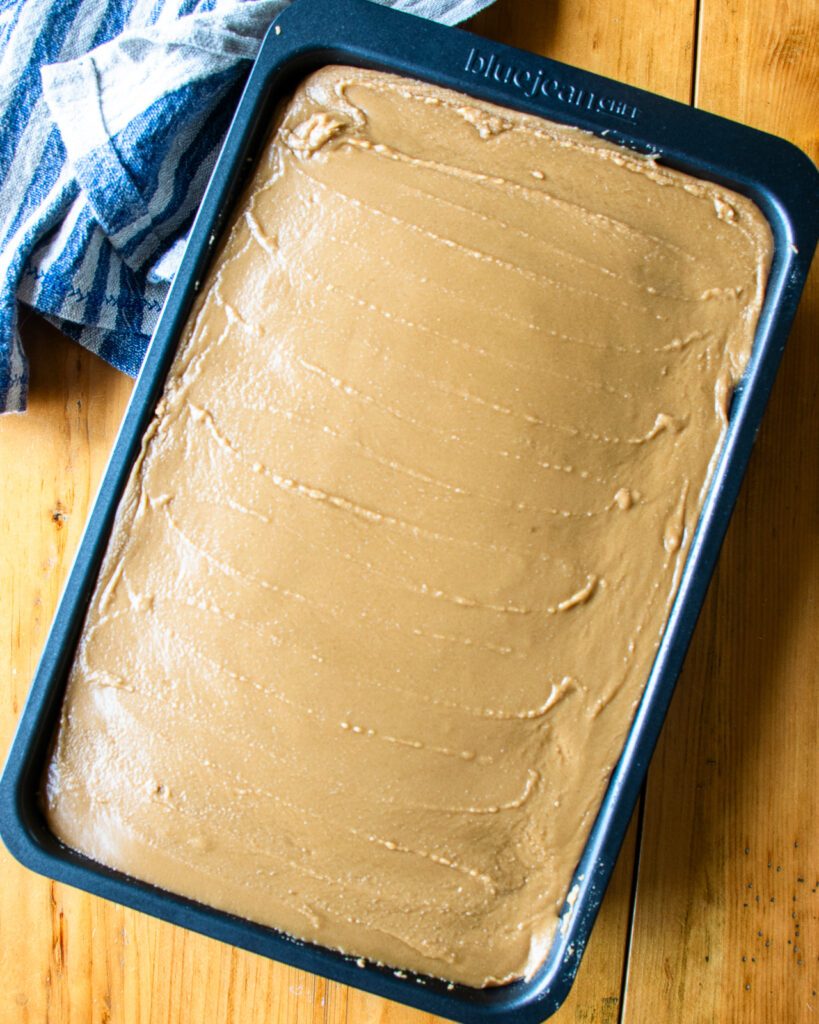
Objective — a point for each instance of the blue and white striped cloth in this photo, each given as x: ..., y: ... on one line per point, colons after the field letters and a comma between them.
x: 111, y: 117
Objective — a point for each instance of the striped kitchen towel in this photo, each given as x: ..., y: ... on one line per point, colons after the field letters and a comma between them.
x: 111, y: 117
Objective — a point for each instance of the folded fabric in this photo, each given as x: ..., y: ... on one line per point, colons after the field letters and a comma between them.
x: 111, y: 116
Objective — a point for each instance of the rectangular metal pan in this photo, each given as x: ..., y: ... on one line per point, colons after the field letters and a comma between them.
x: 309, y: 34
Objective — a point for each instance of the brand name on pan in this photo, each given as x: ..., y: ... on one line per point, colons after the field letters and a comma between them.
x: 536, y: 84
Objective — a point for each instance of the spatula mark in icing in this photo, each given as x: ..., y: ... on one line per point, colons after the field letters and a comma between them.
x: 289, y: 485
x: 532, y: 779
x: 493, y: 309
x: 431, y: 855
x: 662, y: 423
x: 412, y: 325
x: 558, y: 690
x: 563, y: 253
x: 480, y: 178
x: 478, y: 254
x: 580, y: 596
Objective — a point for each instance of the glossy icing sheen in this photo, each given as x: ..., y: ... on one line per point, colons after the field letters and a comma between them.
x: 389, y: 575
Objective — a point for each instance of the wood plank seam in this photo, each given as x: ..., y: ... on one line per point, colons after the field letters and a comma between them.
x: 696, y: 52
x: 635, y: 876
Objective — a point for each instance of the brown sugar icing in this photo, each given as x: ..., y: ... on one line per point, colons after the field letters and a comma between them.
x: 390, y: 572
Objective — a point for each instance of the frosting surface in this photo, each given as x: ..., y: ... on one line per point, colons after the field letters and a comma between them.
x: 388, y: 578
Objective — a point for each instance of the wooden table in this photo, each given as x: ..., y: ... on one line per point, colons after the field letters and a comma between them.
x: 713, y: 912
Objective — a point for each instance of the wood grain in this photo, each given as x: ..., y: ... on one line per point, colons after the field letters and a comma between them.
x: 645, y: 44
x: 738, y: 767
x: 726, y: 925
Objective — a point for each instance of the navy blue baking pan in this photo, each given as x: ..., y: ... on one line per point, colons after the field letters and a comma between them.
x: 309, y: 34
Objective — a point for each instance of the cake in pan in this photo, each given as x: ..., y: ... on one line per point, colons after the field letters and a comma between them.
x: 390, y: 572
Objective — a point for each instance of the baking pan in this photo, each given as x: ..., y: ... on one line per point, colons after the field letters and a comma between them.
x: 309, y: 34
